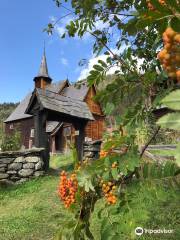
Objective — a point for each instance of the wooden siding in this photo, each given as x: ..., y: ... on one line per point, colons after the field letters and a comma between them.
x: 24, y: 126
x: 94, y: 107
x: 94, y: 129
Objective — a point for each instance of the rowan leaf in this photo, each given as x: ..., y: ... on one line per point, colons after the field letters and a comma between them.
x: 170, y: 120
x: 172, y: 100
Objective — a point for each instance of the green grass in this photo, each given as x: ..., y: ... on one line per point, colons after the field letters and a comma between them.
x: 64, y: 161
x: 162, y: 152
x: 33, y: 211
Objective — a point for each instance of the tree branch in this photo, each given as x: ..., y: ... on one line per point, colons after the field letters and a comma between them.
x: 150, y: 140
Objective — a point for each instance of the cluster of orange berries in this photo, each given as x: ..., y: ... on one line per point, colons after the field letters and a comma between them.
x: 169, y: 56
x: 108, y: 190
x: 103, y: 153
x: 114, y: 165
x: 150, y: 5
x: 67, y: 188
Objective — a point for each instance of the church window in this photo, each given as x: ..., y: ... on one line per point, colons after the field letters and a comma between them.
x: 32, y: 133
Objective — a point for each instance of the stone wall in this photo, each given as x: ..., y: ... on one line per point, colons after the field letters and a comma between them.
x: 91, y: 150
x: 19, y: 166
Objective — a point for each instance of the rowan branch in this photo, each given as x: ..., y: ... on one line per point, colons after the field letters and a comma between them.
x: 150, y: 140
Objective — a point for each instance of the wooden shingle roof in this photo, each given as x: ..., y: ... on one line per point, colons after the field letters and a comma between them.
x: 76, y: 92
x: 19, y: 112
x: 65, y: 105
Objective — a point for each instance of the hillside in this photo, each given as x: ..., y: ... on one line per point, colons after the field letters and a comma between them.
x: 5, y: 110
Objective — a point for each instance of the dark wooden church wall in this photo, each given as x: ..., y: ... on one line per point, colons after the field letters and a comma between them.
x: 24, y: 126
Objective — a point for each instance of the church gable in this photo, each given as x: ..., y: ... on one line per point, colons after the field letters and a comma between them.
x: 95, y: 107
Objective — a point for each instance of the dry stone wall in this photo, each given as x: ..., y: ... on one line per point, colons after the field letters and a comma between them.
x: 91, y: 150
x: 20, y: 166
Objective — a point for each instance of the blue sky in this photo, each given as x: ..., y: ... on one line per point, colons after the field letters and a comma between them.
x: 21, y: 47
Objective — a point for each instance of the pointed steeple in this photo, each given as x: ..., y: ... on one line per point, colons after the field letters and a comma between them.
x: 42, y: 79
x: 43, y: 70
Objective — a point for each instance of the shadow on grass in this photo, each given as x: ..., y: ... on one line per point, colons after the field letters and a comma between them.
x: 56, y: 171
x: 61, y: 162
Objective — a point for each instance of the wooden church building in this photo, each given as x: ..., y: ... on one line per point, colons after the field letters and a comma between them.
x: 60, y: 134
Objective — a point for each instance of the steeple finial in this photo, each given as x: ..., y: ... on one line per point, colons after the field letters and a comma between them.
x: 43, y: 70
x: 44, y: 48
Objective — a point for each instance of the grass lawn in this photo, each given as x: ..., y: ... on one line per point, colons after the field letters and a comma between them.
x: 32, y: 211
x: 162, y: 152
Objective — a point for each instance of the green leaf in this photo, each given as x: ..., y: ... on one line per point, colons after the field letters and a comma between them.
x: 84, y: 180
x: 98, y: 68
x: 173, y: 4
x: 107, y: 53
x: 130, y: 27
x: 109, y: 108
x: 114, y: 173
x: 161, y: 9
x: 63, y: 36
x: 175, y: 24
x: 88, y: 185
x: 170, y: 120
x: 105, y: 176
x: 102, y: 63
x: 172, y: 100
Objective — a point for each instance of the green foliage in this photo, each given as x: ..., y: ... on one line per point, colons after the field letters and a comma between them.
x: 128, y: 96
x: 152, y: 170
x: 5, y: 110
x: 145, y: 204
x: 171, y: 120
x: 172, y: 100
x: 11, y: 142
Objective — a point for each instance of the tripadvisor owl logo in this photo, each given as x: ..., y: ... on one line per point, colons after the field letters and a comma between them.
x: 139, y: 231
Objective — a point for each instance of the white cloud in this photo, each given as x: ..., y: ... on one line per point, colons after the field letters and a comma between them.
x: 94, y: 60
x: 60, y: 27
x: 64, y: 61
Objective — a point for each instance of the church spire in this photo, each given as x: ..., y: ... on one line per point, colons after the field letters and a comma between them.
x: 42, y: 79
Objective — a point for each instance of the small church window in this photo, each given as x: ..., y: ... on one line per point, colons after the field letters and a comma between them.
x: 32, y: 133
x: 11, y: 126
x: 67, y: 131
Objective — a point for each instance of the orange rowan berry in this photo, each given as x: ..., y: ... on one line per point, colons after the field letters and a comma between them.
x: 170, y: 32
x: 67, y: 188
x: 169, y: 56
x: 178, y: 75
x: 177, y: 38
x: 108, y: 190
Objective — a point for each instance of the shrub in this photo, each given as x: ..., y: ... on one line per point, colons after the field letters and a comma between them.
x: 11, y: 142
